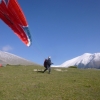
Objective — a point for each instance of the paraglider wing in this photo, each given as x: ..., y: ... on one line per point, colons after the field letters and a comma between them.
x: 12, y: 14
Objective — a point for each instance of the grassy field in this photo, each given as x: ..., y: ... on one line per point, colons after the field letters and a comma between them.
x: 23, y: 83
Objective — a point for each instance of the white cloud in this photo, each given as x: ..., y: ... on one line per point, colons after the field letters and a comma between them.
x: 7, y: 48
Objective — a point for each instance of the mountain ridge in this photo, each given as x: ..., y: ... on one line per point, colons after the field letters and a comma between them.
x: 87, y: 60
x: 13, y: 59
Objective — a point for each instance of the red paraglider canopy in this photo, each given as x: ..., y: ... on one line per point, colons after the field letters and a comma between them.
x: 12, y: 14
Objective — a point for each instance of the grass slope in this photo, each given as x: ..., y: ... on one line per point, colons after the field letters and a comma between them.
x: 23, y: 83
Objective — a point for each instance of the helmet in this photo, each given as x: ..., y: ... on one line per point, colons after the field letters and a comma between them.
x: 49, y: 57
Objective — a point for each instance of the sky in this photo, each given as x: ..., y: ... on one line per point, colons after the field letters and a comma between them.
x: 62, y: 29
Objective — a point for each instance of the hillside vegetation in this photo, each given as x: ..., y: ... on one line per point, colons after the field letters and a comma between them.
x: 25, y: 83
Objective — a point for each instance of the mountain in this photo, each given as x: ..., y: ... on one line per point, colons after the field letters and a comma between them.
x: 86, y: 60
x: 8, y: 58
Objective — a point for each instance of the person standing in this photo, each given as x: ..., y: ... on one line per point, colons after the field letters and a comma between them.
x: 48, y: 67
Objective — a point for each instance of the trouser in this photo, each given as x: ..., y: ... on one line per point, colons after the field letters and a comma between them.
x: 48, y: 68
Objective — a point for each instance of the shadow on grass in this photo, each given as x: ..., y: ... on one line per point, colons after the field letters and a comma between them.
x: 39, y: 71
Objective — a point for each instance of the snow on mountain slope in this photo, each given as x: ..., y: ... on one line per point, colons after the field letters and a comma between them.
x: 12, y: 59
x: 86, y: 60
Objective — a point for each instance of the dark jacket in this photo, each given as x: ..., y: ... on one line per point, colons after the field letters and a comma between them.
x: 49, y: 62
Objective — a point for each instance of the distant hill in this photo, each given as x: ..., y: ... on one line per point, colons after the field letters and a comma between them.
x: 11, y: 59
x: 86, y: 60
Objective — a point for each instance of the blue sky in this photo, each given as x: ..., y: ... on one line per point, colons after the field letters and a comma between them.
x: 62, y: 29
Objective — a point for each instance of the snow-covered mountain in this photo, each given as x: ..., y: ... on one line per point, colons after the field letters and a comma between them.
x: 8, y: 58
x: 86, y: 60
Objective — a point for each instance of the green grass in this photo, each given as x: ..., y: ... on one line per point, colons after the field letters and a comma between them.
x: 22, y: 83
